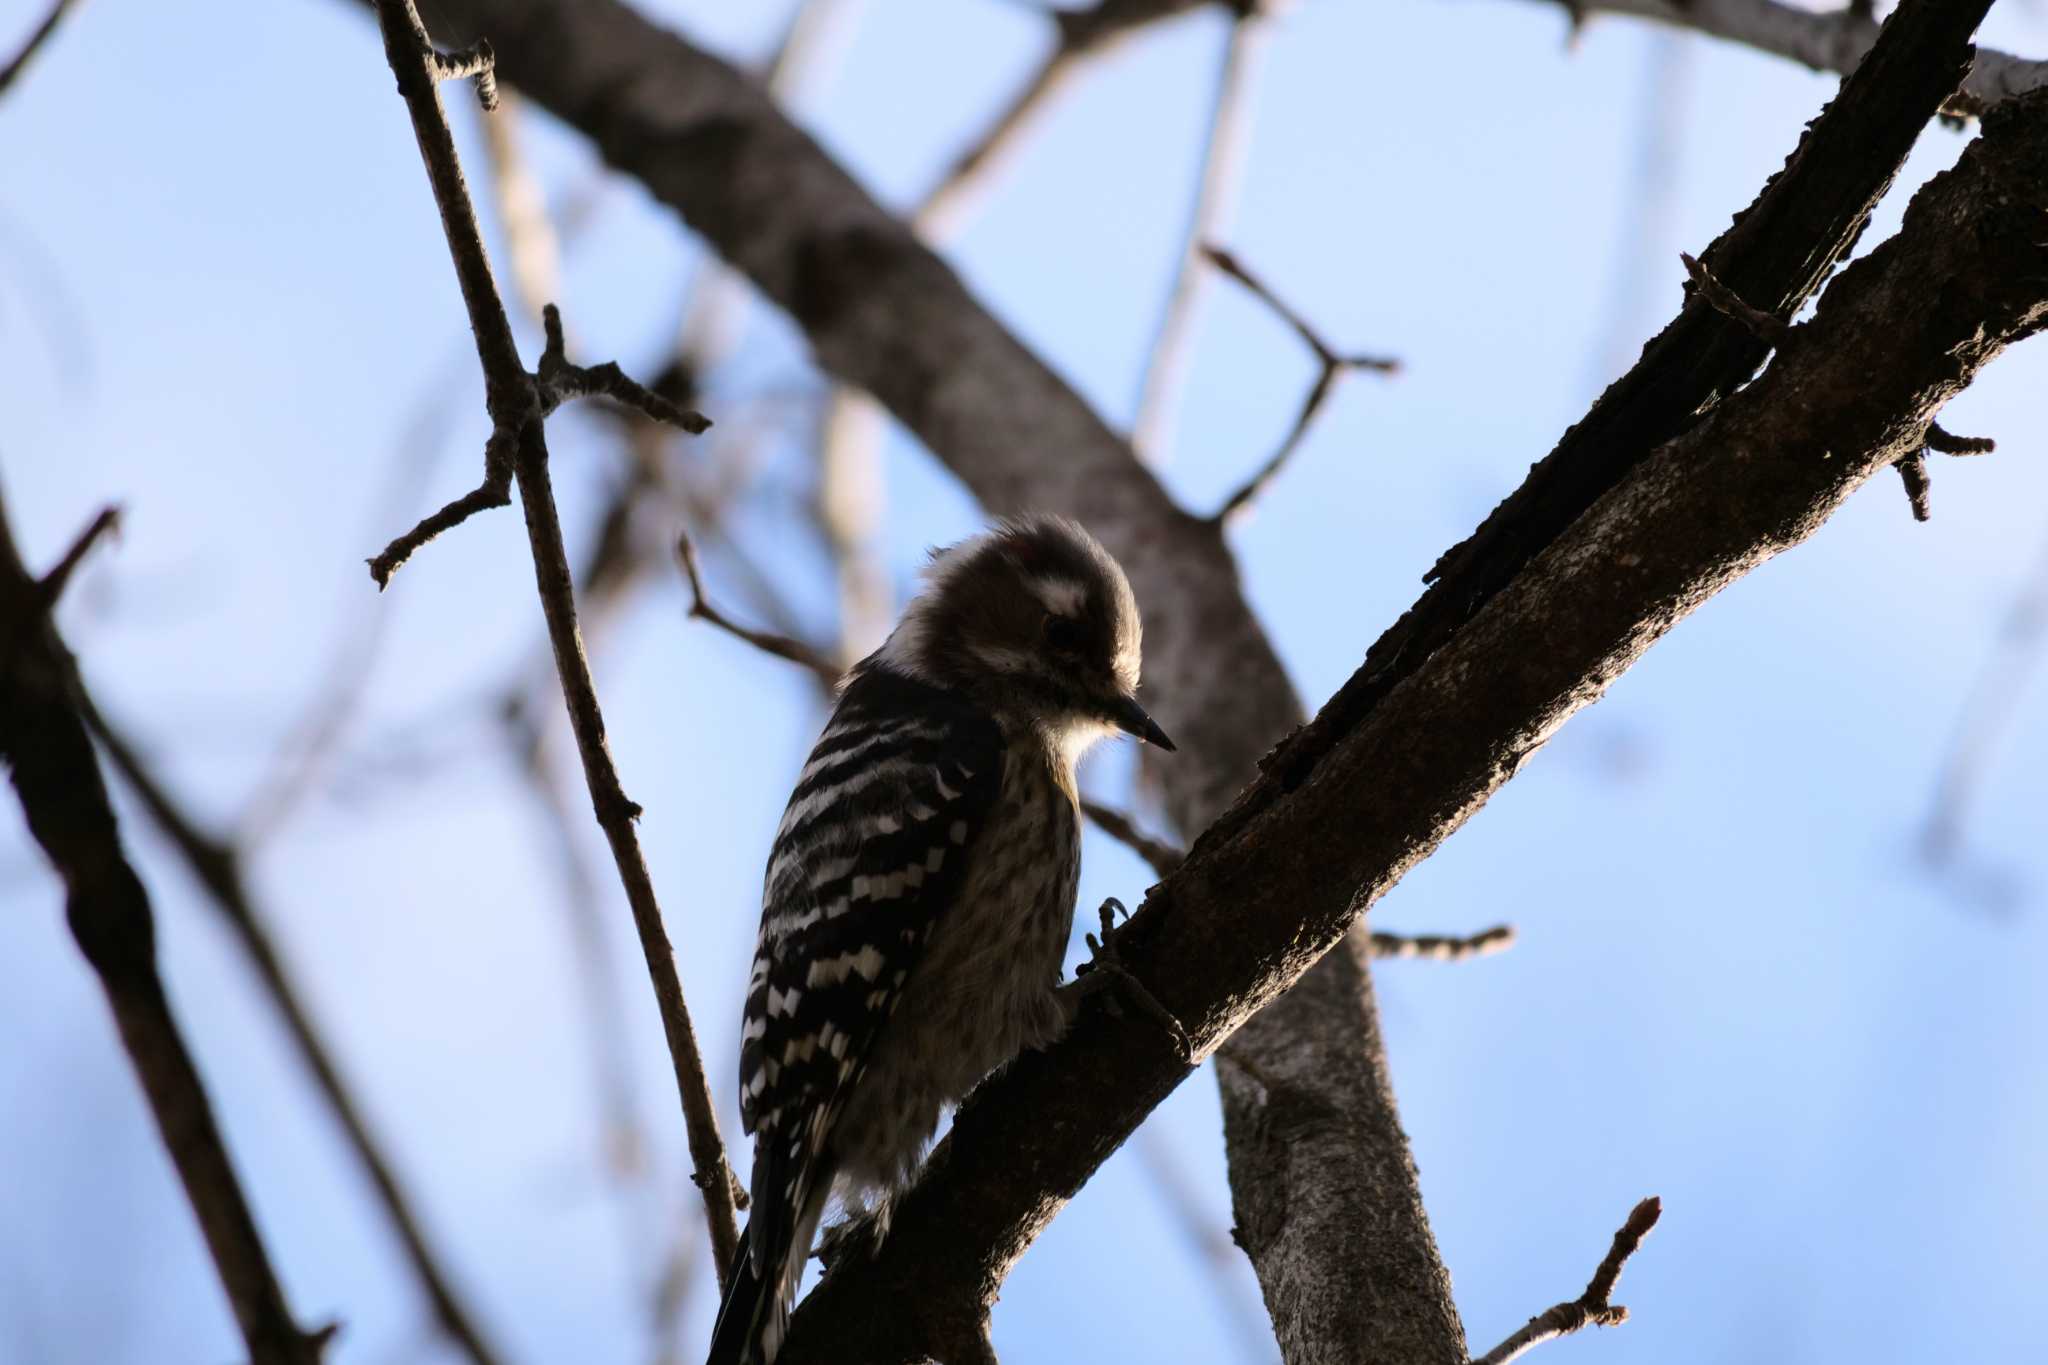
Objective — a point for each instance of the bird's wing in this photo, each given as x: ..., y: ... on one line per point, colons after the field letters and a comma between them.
x: 871, y: 851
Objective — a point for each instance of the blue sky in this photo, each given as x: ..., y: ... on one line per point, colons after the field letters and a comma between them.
x: 225, y: 303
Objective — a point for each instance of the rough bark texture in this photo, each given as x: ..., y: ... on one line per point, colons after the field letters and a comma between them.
x: 884, y: 313
x: 1896, y: 336
x: 1329, y: 1177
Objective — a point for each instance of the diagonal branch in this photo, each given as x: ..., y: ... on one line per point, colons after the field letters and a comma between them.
x: 1899, y: 333
x: 1829, y: 39
x: 44, y: 745
x: 1079, y: 35
x: 218, y: 869
x: 34, y: 43
x: 1592, y: 1308
x: 518, y: 402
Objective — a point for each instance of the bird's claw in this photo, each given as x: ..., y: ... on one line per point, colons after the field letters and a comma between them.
x: 1105, y: 970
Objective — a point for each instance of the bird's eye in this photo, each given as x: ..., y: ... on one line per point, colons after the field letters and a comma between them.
x: 1062, y: 633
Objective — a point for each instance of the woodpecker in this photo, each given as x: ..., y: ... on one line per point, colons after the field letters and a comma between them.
x: 920, y: 891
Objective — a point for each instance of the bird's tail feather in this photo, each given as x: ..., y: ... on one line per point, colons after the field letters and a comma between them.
x: 741, y: 1316
x: 754, y: 1316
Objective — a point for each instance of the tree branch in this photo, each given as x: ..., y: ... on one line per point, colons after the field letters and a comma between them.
x: 518, y: 403
x: 1078, y: 36
x: 44, y: 745
x: 1822, y: 40
x: 1899, y: 333
x: 34, y: 43
x: 217, y: 868
x: 1592, y: 1308
x: 1208, y: 221
x: 883, y: 313
x: 1331, y: 367
x: 780, y: 646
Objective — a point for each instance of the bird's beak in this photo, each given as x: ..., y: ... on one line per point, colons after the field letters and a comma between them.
x: 1132, y: 720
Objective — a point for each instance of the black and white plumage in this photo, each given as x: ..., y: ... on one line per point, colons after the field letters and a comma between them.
x: 921, y: 887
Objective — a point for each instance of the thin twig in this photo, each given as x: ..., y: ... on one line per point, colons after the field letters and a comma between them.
x: 1159, y: 855
x: 781, y: 646
x: 1592, y: 1308
x: 50, y: 588
x: 1331, y: 366
x: 1216, y: 189
x: 1437, y: 948
x: 1948, y: 443
x: 35, y: 42
x: 1919, y: 487
x: 49, y: 757
x: 1913, y: 471
x: 560, y: 382
x: 518, y: 403
x: 219, y: 870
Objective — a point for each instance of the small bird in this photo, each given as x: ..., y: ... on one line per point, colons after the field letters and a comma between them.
x: 920, y: 891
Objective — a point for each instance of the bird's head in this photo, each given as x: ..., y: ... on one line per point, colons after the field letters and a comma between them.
x: 1035, y: 622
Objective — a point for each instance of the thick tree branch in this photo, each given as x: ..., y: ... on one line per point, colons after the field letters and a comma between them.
x: 44, y: 745
x: 1772, y: 257
x: 1828, y: 39
x: 886, y: 315
x: 518, y: 402
x: 217, y: 867
x: 1898, y: 334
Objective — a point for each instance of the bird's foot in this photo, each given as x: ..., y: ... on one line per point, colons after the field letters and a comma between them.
x: 1105, y: 971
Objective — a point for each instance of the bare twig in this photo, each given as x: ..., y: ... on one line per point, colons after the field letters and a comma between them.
x: 1948, y: 443
x: 781, y: 646
x: 218, y: 869
x: 518, y: 403
x: 1723, y: 300
x: 49, y: 757
x: 1331, y: 366
x: 1159, y: 855
x: 494, y: 491
x: 1437, y: 948
x: 1592, y: 1308
x: 34, y: 44
x: 50, y: 588
x: 559, y: 382
x: 1913, y: 470
x: 1919, y: 487
x: 1078, y: 35
x: 1216, y: 189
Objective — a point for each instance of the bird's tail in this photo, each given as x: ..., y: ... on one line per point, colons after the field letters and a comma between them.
x: 737, y: 1337
x: 755, y: 1312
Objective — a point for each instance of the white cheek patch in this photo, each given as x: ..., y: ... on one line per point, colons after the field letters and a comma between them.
x: 1000, y: 659
x: 1061, y: 596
